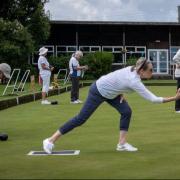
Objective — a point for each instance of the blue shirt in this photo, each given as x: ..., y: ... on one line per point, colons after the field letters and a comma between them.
x: 73, y: 64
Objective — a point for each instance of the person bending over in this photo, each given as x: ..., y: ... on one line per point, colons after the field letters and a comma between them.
x: 110, y: 88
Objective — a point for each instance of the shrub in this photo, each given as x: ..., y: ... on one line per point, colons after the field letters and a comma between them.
x: 99, y: 64
x: 61, y: 62
x: 16, y: 43
x: 131, y: 61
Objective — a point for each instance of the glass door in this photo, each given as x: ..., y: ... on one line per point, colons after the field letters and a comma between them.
x: 159, y: 59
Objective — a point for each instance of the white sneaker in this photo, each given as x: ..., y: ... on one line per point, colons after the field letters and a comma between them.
x: 48, y: 146
x: 177, y: 111
x: 79, y: 101
x: 74, y: 102
x: 126, y: 147
x: 45, y: 102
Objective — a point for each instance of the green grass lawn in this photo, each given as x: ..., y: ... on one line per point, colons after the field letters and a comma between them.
x: 155, y: 130
x: 9, y: 95
x: 28, y: 89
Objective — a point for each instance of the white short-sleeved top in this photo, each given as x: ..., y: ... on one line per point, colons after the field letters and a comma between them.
x: 177, y: 72
x: 176, y: 59
x: 124, y: 81
x: 73, y: 63
x: 43, y: 60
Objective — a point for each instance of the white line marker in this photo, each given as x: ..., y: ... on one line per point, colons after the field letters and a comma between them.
x: 55, y: 153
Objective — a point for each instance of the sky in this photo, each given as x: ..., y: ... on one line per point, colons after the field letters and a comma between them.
x: 114, y: 10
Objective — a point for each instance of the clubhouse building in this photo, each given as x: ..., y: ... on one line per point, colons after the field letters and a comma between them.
x: 157, y: 41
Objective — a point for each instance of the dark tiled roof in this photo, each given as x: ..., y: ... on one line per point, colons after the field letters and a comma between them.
x: 117, y: 23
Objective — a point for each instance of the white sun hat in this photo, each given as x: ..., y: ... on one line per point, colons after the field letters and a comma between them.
x: 5, y: 69
x: 43, y: 51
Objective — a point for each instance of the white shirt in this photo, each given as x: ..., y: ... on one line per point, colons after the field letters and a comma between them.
x: 74, y: 63
x: 124, y: 81
x: 43, y: 72
x: 177, y: 71
x: 176, y: 59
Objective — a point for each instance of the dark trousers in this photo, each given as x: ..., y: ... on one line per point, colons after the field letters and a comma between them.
x: 177, y: 103
x: 75, y: 88
x: 94, y: 99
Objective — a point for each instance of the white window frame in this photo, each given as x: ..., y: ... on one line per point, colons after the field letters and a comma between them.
x: 75, y: 47
x: 66, y: 47
x: 99, y: 47
x: 90, y: 48
x: 113, y: 47
x: 136, y: 51
x: 158, y: 50
x: 114, y: 51
x: 84, y: 47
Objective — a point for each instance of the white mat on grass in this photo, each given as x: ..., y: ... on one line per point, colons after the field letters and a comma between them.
x: 55, y: 153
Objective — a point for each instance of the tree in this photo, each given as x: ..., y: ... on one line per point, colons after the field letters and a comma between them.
x: 38, y: 25
x: 31, y: 14
x: 16, y: 42
x: 34, y: 23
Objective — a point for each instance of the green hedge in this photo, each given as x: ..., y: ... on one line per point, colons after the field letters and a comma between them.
x: 131, y: 61
x: 61, y: 62
x: 99, y: 63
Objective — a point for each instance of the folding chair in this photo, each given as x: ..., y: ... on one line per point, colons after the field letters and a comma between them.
x: 67, y: 79
x: 15, y: 72
x: 65, y: 75
x: 23, y: 81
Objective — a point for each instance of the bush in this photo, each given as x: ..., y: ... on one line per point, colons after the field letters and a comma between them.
x: 99, y: 64
x: 61, y: 62
x: 16, y: 43
x: 131, y: 61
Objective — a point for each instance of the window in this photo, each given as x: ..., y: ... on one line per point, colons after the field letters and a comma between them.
x: 89, y: 49
x: 130, y: 49
x: 71, y: 48
x: 117, y: 52
x: 140, y: 49
x: 95, y: 48
x: 107, y: 49
x: 117, y: 49
x: 84, y: 48
x: 63, y: 50
x: 134, y: 52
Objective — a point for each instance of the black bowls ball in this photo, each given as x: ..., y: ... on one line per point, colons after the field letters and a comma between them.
x: 3, y: 137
